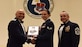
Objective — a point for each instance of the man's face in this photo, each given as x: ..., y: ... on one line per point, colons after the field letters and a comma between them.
x: 20, y: 15
x: 64, y: 17
x: 45, y: 15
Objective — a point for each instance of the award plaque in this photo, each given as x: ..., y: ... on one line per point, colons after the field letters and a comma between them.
x: 33, y: 31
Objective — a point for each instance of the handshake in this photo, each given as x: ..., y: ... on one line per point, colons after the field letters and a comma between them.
x: 31, y: 39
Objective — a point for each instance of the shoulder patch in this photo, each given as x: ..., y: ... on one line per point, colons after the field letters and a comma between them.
x: 77, y: 31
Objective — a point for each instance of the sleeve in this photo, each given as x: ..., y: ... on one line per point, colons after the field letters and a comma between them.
x: 75, y: 35
x: 15, y: 31
x: 47, y: 32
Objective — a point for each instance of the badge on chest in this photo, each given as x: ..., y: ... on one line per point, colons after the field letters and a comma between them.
x: 67, y: 29
x: 43, y: 26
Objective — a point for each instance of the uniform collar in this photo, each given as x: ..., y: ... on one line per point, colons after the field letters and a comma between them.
x: 19, y: 20
x: 65, y: 23
x: 47, y: 20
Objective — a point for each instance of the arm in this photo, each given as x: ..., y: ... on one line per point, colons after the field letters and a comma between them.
x: 14, y: 30
x: 75, y: 36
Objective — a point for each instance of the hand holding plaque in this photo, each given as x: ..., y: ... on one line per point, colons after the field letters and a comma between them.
x: 33, y: 31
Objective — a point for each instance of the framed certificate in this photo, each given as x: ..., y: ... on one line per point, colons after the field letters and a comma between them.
x: 33, y: 31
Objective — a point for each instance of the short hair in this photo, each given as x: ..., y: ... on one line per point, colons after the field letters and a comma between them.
x: 47, y: 11
x: 65, y: 13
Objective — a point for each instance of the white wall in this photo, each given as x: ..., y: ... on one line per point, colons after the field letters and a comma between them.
x: 9, y: 7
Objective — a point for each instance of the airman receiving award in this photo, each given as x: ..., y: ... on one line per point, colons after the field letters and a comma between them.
x: 32, y: 31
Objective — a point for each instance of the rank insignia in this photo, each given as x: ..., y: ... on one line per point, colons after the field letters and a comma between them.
x: 49, y: 28
x: 67, y: 29
x: 77, y: 31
